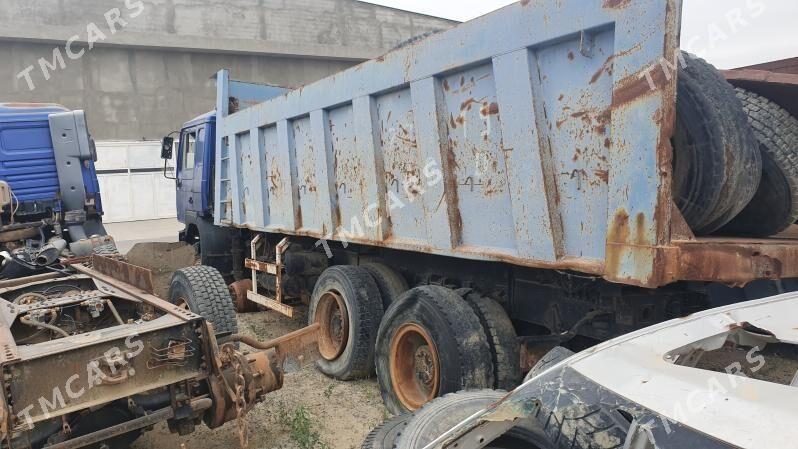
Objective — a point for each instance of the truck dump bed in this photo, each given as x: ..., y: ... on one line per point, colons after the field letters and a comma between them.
x: 530, y: 136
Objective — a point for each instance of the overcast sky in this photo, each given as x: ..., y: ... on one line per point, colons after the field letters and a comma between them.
x: 728, y: 33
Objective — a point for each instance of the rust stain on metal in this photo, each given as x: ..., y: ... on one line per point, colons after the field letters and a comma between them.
x: 451, y: 196
x: 624, y: 242
x: 637, y: 86
x: 616, y: 4
x: 489, y: 109
x: 122, y: 271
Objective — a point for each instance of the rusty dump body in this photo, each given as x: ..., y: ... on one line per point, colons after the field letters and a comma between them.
x: 117, y: 357
x: 530, y: 136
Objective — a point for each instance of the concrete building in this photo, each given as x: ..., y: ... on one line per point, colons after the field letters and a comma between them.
x: 140, y: 68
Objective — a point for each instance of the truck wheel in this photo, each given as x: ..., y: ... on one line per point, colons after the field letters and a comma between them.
x: 385, y: 435
x: 775, y: 206
x: 716, y: 160
x: 346, y: 303
x: 389, y: 282
x: 504, y: 345
x: 440, y: 415
x: 553, y: 357
x: 430, y: 343
x: 203, y: 291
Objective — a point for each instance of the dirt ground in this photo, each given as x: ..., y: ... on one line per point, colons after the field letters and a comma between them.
x: 311, y: 411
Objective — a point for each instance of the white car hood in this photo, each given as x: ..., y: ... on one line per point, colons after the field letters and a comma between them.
x: 744, y: 412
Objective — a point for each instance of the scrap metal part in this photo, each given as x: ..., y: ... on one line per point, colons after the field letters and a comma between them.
x: 179, y: 356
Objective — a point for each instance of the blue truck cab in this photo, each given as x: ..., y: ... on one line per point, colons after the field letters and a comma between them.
x: 49, y: 191
x: 195, y: 167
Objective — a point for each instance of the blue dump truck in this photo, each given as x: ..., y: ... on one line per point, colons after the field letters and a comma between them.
x: 49, y: 192
x: 554, y: 173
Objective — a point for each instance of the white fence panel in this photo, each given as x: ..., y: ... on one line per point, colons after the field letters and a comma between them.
x: 132, y: 184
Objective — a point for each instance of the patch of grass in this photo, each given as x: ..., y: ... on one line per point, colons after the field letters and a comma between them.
x: 329, y: 391
x: 301, y: 426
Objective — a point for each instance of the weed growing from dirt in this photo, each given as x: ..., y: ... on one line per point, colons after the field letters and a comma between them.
x: 302, y: 428
x: 329, y: 391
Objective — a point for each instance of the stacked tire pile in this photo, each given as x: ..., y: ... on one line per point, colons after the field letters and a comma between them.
x: 735, y: 157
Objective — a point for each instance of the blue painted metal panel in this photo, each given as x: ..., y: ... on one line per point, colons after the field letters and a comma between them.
x: 528, y: 135
x: 26, y: 151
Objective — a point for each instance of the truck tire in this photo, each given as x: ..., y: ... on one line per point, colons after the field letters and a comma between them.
x: 385, y: 435
x: 440, y: 415
x: 553, y: 357
x: 717, y: 165
x: 570, y: 422
x: 775, y: 205
x: 504, y: 345
x: 203, y: 291
x: 430, y: 343
x: 347, y: 304
x: 389, y: 282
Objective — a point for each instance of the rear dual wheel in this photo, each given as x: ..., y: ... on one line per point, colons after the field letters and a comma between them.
x: 347, y: 305
x: 430, y: 343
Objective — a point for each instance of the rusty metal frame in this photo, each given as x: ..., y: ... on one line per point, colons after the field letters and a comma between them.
x: 274, y: 269
x: 114, y: 268
x: 204, y: 359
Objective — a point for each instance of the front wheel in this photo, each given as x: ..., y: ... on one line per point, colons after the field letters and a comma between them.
x: 202, y: 290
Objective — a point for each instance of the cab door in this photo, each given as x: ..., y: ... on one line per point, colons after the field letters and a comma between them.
x: 186, y: 160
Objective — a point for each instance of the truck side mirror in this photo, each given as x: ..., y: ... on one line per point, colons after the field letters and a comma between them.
x: 166, y: 147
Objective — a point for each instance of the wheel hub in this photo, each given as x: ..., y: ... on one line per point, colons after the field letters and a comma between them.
x: 333, y: 320
x: 414, y: 366
x: 425, y: 371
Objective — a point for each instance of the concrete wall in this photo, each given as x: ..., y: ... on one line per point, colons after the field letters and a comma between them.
x: 152, y: 74
x: 131, y: 93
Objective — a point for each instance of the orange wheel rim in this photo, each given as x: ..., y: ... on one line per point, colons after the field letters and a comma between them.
x: 333, y: 322
x: 414, y: 366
